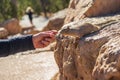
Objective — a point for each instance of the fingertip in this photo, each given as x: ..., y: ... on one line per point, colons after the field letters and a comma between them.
x: 42, y: 45
x: 52, y: 35
x: 54, y: 31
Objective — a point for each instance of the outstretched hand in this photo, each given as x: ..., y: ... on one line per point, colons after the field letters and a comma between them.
x: 43, y: 39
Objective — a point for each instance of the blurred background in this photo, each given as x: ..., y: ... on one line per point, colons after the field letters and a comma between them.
x: 16, y: 8
x: 14, y: 17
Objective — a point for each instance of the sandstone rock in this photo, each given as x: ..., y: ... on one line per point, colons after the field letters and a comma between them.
x: 52, y: 46
x: 79, y: 55
x: 79, y: 9
x: 3, y: 33
x: 108, y: 61
x: 56, y: 22
x: 101, y: 7
x: 107, y: 64
x: 79, y: 58
x: 29, y: 30
x: 34, y: 31
x: 12, y: 26
x: 76, y: 9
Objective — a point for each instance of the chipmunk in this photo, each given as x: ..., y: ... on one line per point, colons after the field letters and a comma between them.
x: 77, y: 30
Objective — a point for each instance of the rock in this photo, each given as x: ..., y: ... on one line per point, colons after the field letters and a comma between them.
x: 76, y: 9
x: 57, y: 21
x: 101, y: 7
x: 12, y: 26
x: 3, y: 33
x: 29, y: 30
x: 94, y: 56
x: 79, y: 9
x: 90, y: 55
x: 108, y: 61
x: 34, y: 31
x: 52, y: 46
x: 107, y: 64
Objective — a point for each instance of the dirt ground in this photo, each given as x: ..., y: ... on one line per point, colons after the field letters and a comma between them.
x: 30, y: 65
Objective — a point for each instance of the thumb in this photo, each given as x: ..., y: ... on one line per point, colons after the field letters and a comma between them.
x: 45, y: 35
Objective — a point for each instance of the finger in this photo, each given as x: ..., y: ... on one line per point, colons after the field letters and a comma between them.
x: 44, y: 35
x: 52, y: 31
x: 48, y: 35
x: 41, y: 35
x: 48, y: 39
x: 46, y: 43
x: 52, y: 39
x: 39, y: 45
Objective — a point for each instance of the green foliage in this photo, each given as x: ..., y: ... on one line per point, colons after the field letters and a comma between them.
x: 9, y: 9
x: 4, y: 9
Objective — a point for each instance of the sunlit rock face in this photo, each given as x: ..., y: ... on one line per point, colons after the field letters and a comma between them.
x: 93, y: 56
x: 56, y: 21
x: 12, y: 26
x: 79, y: 9
x: 89, y: 52
x: 3, y: 33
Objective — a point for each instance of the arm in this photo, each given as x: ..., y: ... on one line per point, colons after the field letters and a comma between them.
x: 29, y: 42
x: 11, y: 46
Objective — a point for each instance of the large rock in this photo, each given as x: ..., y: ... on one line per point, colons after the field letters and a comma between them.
x: 82, y: 53
x: 79, y: 9
x: 93, y: 56
x: 3, y: 33
x: 108, y: 62
x: 12, y: 26
x: 57, y: 21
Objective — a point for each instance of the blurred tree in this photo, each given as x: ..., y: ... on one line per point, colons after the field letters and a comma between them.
x: 8, y: 9
x: 16, y: 8
x: 4, y: 9
x: 65, y: 3
x: 44, y: 5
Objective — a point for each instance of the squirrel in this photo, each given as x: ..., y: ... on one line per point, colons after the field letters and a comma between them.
x: 77, y: 30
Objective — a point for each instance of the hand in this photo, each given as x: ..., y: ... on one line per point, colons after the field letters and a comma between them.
x: 43, y: 39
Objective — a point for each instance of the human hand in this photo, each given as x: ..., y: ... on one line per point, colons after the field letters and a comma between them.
x: 43, y: 39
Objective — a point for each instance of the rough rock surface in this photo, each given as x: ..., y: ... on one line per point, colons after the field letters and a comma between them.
x: 108, y: 62
x: 101, y: 7
x: 79, y: 9
x: 3, y: 33
x: 12, y: 26
x: 82, y: 58
x: 57, y: 21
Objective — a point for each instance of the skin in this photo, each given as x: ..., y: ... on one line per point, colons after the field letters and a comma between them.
x: 43, y: 39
